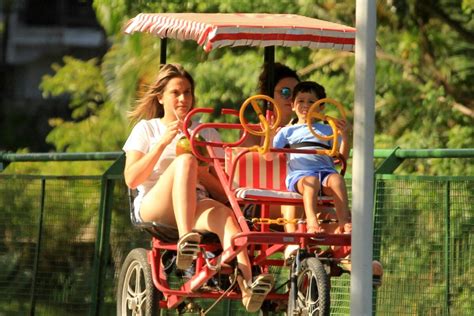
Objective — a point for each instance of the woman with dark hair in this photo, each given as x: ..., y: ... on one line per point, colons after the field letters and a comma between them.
x: 280, y: 87
x: 284, y: 81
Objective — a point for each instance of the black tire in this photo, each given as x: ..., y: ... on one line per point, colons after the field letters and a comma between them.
x: 136, y: 293
x: 313, y: 290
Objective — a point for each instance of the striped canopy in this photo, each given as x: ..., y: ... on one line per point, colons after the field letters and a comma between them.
x: 214, y: 30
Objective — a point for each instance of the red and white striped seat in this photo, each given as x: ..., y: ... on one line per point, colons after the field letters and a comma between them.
x: 259, y: 177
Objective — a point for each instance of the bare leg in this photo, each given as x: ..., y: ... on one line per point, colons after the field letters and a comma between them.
x: 214, y: 216
x: 217, y: 218
x: 336, y: 187
x: 289, y: 213
x: 309, y: 187
x: 174, y: 192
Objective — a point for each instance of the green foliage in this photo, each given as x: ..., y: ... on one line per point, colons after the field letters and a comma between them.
x: 81, y: 81
x: 103, y: 131
x: 126, y: 66
x: 424, y: 97
x: 110, y: 14
x: 97, y: 125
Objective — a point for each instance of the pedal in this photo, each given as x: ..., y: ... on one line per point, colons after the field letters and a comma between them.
x: 190, y: 248
x: 262, y: 288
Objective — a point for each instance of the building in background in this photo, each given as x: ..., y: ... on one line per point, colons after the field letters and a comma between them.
x: 35, y: 34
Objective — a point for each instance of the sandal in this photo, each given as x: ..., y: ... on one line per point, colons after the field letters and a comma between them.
x: 290, y: 253
x: 187, y: 248
x: 257, y: 292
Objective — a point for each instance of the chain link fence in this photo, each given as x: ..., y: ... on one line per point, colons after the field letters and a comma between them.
x: 62, y: 245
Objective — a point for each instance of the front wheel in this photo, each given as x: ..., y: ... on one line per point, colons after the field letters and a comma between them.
x: 136, y: 293
x: 312, y: 289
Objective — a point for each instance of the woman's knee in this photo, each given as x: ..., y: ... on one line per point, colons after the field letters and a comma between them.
x: 213, y: 208
x: 212, y: 214
x: 221, y: 211
x: 185, y: 160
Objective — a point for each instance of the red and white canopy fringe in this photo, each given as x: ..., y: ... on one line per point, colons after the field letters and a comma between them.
x: 214, y: 30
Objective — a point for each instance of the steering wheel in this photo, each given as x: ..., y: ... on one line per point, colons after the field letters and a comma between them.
x: 261, y: 116
x: 266, y: 128
x: 314, y: 113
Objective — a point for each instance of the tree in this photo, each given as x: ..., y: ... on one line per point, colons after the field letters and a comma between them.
x: 424, y: 97
x: 96, y: 125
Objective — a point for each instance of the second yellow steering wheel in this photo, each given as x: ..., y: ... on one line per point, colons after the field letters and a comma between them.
x: 314, y: 113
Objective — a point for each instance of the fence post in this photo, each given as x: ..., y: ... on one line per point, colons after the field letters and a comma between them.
x: 103, y: 233
x: 447, y: 267
x: 38, y: 249
x: 391, y: 163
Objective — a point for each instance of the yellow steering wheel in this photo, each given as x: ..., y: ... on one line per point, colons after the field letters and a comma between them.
x: 314, y: 113
x: 266, y: 128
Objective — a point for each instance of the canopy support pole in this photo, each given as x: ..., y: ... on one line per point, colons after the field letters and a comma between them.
x: 269, y: 62
x: 363, y: 159
x: 163, y: 48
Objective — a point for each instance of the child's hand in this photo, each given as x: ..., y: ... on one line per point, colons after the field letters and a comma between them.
x: 343, y: 126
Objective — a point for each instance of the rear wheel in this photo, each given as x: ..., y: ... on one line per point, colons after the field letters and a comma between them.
x: 312, y: 290
x: 136, y: 293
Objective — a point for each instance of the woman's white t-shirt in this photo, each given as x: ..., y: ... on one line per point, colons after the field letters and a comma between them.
x: 145, y: 135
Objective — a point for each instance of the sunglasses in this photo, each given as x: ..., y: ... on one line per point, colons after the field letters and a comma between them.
x: 285, y: 92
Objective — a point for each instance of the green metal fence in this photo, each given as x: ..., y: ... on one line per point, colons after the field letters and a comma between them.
x: 63, y: 238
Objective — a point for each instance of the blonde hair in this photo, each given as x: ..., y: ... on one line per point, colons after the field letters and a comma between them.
x: 148, y: 107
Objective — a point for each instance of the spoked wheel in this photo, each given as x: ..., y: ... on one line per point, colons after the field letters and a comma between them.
x: 136, y: 293
x: 312, y: 290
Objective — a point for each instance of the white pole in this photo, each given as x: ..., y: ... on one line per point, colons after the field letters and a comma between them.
x: 363, y: 159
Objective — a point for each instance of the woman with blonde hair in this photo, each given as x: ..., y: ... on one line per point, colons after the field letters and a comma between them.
x: 169, y: 192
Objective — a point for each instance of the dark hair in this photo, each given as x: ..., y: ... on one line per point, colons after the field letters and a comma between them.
x: 311, y: 87
x: 280, y: 71
x: 148, y: 106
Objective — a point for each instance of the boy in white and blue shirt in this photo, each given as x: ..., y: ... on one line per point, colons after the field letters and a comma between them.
x: 309, y: 174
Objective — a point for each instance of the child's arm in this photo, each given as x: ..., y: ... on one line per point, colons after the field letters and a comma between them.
x: 344, y: 128
x: 279, y: 140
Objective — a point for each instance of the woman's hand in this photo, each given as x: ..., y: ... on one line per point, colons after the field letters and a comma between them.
x: 208, y: 178
x: 172, y: 130
x: 203, y: 171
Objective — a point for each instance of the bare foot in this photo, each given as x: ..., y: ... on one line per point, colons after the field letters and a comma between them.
x: 314, y: 229
x: 345, y: 229
x: 348, y: 227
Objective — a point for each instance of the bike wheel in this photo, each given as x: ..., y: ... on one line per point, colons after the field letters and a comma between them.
x: 312, y: 290
x: 136, y: 293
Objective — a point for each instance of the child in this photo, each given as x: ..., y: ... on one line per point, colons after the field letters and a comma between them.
x: 309, y: 174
